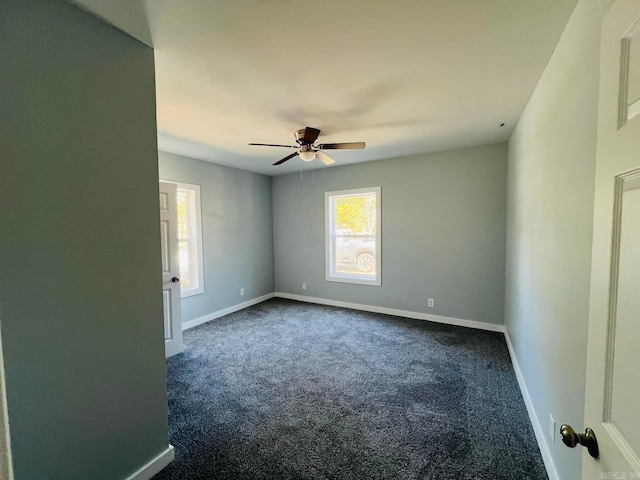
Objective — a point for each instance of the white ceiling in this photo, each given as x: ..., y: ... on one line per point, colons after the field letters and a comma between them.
x: 404, y: 76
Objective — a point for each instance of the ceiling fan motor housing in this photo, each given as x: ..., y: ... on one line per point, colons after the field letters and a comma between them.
x: 300, y: 135
x: 307, y: 135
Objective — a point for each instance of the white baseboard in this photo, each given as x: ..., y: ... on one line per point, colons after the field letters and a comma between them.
x: 393, y: 311
x: 153, y: 466
x: 537, y: 427
x: 221, y: 313
x: 355, y: 306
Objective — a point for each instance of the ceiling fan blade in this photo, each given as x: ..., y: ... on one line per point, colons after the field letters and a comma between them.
x: 310, y: 135
x: 274, y: 145
x: 288, y: 157
x: 324, y: 158
x: 342, y: 146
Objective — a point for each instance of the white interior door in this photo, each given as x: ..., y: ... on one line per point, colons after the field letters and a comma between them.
x: 170, y: 269
x: 612, y: 405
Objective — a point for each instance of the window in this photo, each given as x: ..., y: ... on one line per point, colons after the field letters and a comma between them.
x: 190, y: 239
x: 352, y: 223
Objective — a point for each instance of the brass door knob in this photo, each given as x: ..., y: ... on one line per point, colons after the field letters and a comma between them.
x: 175, y: 279
x: 587, y: 439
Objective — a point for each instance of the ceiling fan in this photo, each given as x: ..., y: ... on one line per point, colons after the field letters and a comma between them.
x: 308, y: 149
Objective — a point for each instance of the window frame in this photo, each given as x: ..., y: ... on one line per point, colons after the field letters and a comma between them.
x: 329, y: 209
x: 196, y: 218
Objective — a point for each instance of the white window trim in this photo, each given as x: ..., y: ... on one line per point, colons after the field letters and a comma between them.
x: 184, y: 293
x: 328, y: 213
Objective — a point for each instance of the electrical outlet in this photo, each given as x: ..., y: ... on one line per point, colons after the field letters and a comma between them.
x: 241, y: 291
x: 304, y: 286
x: 552, y: 428
x: 431, y: 303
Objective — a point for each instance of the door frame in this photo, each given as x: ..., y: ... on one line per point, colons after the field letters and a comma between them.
x: 6, y: 462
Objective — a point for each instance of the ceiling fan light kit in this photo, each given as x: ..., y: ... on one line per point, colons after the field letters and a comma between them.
x: 307, y: 153
x: 308, y: 149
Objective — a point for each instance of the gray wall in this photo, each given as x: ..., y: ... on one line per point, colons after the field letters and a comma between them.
x: 80, y: 290
x: 237, y: 230
x: 443, y: 232
x: 549, y: 228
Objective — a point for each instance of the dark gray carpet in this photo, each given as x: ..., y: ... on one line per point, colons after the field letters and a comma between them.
x: 289, y: 390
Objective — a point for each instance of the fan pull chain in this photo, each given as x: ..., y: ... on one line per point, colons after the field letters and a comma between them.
x: 300, y: 176
x: 313, y: 177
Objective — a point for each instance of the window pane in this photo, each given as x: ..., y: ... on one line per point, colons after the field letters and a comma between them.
x: 184, y: 264
x: 183, y: 237
x: 354, y: 234
x: 353, y: 237
x: 183, y: 212
x: 189, y: 241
